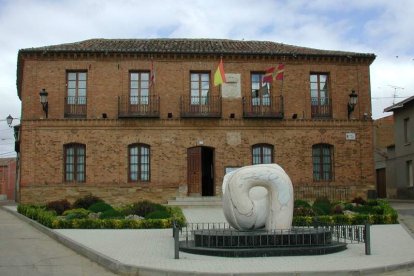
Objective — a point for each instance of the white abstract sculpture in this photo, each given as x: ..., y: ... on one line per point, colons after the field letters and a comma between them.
x: 258, y: 196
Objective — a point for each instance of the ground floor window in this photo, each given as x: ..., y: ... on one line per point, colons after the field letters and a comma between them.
x: 322, y: 155
x: 74, y: 162
x: 262, y: 154
x: 139, y: 163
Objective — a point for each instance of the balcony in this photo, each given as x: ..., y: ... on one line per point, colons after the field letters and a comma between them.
x: 201, y: 107
x: 139, y: 106
x: 75, y: 107
x: 263, y: 107
x: 321, y: 108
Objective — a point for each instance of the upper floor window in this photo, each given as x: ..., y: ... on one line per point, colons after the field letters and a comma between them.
x: 74, y: 162
x: 76, y: 94
x: 406, y: 130
x: 200, y: 87
x: 262, y: 154
x: 260, y: 90
x: 320, y: 100
x: 139, y: 87
x: 139, y: 163
x: 322, y: 155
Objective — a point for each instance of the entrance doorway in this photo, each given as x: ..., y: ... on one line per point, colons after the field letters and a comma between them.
x: 381, y: 183
x: 200, y: 171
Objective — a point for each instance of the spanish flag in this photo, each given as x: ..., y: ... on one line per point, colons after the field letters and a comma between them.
x: 219, y: 76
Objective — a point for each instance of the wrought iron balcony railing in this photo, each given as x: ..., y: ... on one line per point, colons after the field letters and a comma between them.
x: 321, y: 108
x: 263, y: 107
x: 201, y: 107
x: 139, y: 106
x: 75, y: 107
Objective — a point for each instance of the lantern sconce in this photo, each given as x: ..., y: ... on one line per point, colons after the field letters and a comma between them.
x: 44, y: 101
x: 353, y: 100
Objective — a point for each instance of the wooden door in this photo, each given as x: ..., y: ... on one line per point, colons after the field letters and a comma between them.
x: 381, y: 183
x: 194, y: 171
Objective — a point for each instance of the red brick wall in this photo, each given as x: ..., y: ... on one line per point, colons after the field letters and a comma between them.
x: 107, y: 139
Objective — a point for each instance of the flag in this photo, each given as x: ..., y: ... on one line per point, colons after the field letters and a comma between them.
x: 264, y: 90
x: 279, y: 72
x: 152, y: 74
x: 272, y: 73
x: 219, y: 76
x: 268, y: 76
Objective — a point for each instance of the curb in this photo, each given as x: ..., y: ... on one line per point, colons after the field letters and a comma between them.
x: 124, y: 269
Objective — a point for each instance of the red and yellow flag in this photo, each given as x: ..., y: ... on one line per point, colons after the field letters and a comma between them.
x: 219, y: 75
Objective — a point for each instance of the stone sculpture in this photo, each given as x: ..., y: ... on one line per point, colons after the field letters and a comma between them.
x: 258, y: 196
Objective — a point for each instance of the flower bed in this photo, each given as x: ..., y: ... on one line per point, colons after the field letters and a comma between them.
x: 356, y: 212
x: 93, y: 213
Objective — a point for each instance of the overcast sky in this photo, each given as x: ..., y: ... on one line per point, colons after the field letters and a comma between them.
x: 382, y: 27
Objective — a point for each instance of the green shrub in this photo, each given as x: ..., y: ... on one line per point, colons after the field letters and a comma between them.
x: 303, y: 211
x: 78, y: 213
x: 100, y: 207
x: 301, y: 203
x: 158, y: 215
x: 59, y: 206
x: 359, y: 201
x: 177, y: 216
x: 348, y: 206
x: 322, y: 206
x: 86, y: 201
x: 111, y: 213
x: 143, y: 208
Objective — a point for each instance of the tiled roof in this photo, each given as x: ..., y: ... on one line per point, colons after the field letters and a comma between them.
x: 188, y: 46
x: 399, y: 105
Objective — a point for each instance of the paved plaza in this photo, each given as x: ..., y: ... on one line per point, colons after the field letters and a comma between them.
x: 151, y: 252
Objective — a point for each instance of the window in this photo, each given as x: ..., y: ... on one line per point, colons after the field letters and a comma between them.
x: 139, y: 88
x: 406, y: 123
x: 139, y: 163
x: 74, y: 162
x: 262, y: 154
x: 320, y: 103
x: 260, y: 91
x: 76, y: 83
x: 200, y: 86
x: 322, y: 162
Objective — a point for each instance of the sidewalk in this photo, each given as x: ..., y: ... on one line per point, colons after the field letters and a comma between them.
x: 149, y: 252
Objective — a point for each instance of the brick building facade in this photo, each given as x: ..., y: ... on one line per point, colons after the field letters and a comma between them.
x: 111, y: 132
x: 7, y: 178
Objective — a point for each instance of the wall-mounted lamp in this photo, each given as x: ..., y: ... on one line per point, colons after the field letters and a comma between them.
x: 43, y: 100
x: 353, y: 100
x: 9, y: 120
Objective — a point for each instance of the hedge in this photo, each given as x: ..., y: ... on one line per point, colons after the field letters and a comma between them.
x: 51, y: 220
x: 355, y: 219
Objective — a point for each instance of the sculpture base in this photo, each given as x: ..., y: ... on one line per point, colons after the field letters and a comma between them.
x: 262, y: 243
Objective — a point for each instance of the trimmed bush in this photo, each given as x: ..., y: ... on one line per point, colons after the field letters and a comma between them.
x: 158, y: 215
x: 303, y: 211
x: 86, y: 202
x: 100, y: 207
x: 59, y: 206
x: 301, y: 203
x: 79, y: 213
x: 111, y: 214
x: 322, y: 206
x: 143, y: 208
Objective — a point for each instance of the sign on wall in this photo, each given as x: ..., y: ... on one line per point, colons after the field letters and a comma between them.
x: 231, y: 89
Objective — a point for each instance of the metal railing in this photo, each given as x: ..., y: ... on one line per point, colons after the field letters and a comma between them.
x: 317, y: 234
x: 321, y: 108
x: 201, y: 107
x: 139, y: 106
x: 312, y: 192
x: 263, y: 107
x: 75, y: 107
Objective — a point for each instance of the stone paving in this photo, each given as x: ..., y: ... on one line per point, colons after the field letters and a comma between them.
x: 151, y: 252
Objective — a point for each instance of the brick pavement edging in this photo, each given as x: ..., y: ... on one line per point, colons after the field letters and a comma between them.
x: 124, y: 269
